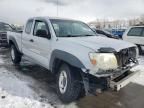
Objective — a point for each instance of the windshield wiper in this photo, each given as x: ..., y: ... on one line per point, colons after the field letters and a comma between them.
x: 77, y: 35
x: 88, y: 35
x: 69, y: 36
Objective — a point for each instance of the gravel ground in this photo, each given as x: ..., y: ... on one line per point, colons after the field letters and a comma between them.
x: 31, y: 86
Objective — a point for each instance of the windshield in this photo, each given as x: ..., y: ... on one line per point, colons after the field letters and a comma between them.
x: 69, y: 28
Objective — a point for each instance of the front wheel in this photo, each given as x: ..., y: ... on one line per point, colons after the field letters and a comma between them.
x: 15, y: 55
x: 68, y: 88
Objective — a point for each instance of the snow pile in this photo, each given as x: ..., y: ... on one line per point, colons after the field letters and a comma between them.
x: 9, y: 101
x: 15, y: 93
x: 71, y: 105
x: 13, y: 85
x: 1, y: 61
x: 140, y: 68
x: 141, y: 60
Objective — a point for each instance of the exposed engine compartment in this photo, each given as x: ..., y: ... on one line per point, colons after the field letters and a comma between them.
x: 126, y: 56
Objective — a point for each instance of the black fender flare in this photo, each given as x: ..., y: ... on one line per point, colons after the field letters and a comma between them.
x: 66, y: 57
x: 14, y: 42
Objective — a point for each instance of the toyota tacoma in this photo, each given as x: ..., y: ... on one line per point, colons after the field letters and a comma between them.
x: 82, y: 61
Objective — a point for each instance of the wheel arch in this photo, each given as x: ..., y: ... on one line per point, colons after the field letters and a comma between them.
x: 12, y: 41
x: 58, y: 57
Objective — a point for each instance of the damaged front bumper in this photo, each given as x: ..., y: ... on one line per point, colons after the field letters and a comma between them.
x: 121, y: 81
x: 115, y: 79
x: 115, y: 72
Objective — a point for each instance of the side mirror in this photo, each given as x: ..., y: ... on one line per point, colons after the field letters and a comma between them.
x: 42, y: 33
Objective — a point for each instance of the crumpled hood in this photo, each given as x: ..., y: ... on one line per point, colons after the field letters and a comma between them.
x: 97, y: 42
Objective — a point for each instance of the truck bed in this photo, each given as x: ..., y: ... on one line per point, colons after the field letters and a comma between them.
x: 16, y: 35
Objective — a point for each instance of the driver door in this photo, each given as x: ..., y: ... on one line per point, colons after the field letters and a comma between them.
x: 41, y: 44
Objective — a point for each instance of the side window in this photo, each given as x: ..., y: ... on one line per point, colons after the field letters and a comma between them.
x: 143, y: 33
x: 40, y: 25
x: 136, y: 31
x: 29, y: 26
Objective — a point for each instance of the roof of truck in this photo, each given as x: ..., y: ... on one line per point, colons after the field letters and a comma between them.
x: 60, y: 18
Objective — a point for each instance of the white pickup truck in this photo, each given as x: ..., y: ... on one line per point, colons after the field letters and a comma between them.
x: 81, y: 60
x: 135, y: 34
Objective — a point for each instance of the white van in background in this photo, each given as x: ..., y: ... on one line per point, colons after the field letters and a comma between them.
x: 135, y: 35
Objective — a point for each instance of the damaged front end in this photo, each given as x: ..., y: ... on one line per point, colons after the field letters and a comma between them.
x: 126, y: 59
x: 113, y: 78
x: 127, y: 56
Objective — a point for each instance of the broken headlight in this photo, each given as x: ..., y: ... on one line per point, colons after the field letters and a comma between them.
x: 104, y: 61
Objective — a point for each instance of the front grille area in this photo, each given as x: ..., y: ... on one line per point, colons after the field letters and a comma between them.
x: 3, y: 36
x: 3, y: 39
x: 126, y: 56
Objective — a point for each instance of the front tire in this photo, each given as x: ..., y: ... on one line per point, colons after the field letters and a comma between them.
x: 15, y: 55
x: 68, y: 87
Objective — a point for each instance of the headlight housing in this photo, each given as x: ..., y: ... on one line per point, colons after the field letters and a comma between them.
x: 103, y: 61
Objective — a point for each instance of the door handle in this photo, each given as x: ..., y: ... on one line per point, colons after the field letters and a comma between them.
x: 31, y: 40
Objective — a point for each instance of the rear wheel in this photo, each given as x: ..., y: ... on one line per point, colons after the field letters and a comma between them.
x: 15, y: 55
x: 68, y: 87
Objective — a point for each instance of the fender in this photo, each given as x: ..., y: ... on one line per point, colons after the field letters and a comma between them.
x: 14, y: 42
x: 65, y: 56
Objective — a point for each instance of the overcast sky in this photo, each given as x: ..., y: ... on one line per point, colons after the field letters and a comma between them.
x: 17, y: 11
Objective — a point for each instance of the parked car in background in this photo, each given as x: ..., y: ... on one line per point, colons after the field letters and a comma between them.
x: 118, y: 32
x: 4, y: 27
x: 18, y: 28
x: 105, y: 33
x: 135, y: 35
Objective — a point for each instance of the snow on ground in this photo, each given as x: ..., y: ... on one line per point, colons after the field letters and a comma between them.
x: 18, y: 90
x: 1, y: 60
x: 10, y: 101
x: 16, y: 94
x: 13, y: 85
x: 140, y: 68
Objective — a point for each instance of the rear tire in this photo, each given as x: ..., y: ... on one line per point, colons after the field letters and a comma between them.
x: 68, y: 87
x: 15, y: 55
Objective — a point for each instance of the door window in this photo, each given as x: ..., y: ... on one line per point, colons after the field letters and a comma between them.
x: 143, y: 33
x: 40, y: 25
x: 29, y: 26
x: 136, y: 31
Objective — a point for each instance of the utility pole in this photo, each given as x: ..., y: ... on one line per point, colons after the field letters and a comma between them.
x: 57, y: 7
